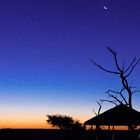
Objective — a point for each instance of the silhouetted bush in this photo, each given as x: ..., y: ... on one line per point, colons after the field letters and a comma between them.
x: 63, y: 122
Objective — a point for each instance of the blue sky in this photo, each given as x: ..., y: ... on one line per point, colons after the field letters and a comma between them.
x: 45, y: 49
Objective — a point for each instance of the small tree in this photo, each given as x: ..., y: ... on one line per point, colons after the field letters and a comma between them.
x: 63, y: 122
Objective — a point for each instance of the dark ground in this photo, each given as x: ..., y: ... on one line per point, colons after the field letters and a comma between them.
x: 48, y: 134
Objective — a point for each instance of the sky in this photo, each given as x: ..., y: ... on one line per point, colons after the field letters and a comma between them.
x: 45, y: 47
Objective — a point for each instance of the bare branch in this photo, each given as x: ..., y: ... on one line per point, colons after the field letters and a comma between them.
x: 130, y: 65
x: 133, y: 87
x: 115, y: 58
x: 115, y: 97
x: 94, y: 112
x: 103, y: 68
x: 111, y: 50
x: 136, y: 91
x: 119, y: 93
x: 112, y: 91
x: 133, y: 66
x: 131, y: 83
x: 100, y: 106
x: 113, y: 102
x: 123, y: 67
x: 123, y: 98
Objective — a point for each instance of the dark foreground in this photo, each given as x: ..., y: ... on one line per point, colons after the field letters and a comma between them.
x: 48, y: 134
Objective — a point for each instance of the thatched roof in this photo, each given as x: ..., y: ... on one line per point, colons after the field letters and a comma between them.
x: 119, y: 116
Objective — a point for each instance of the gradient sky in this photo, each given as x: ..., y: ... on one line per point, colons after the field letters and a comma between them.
x: 45, y: 46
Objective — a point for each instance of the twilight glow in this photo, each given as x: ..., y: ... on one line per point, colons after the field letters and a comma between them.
x: 44, y: 57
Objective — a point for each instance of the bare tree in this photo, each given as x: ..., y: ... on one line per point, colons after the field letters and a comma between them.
x: 123, y: 72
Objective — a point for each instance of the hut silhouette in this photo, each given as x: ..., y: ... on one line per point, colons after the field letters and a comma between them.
x: 121, y: 115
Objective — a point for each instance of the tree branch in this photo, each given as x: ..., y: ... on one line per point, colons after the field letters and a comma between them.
x: 123, y: 66
x: 94, y: 112
x: 123, y: 98
x: 115, y: 58
x: 135, y: 91
x: 113, y: 102
x: 133, y: 66
x: 103, y: 68
x: 130, y: 65
x: 115, y: 97
x: 100, y: 106
x: 112, y: 91
x: 119, y: 93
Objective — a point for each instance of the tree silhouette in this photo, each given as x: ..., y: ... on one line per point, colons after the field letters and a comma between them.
x: 123, y: 73
x: 98, y: 113
x: 63, y: 122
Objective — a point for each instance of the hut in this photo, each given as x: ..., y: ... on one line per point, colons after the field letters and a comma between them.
x: 121, y: 115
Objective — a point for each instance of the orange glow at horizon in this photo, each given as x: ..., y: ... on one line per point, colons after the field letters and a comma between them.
x: 39, y: 122
x: 21, y: 120
x: 31, y: 120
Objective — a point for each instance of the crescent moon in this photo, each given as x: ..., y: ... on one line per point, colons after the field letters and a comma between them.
x: 105, y: 7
